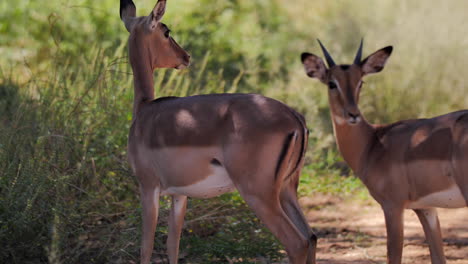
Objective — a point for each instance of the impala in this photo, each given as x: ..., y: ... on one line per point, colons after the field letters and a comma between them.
x: 207, y: 145
x: 416, y: 164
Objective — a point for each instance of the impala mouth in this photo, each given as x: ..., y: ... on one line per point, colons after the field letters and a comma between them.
x: 354, y: 121
x: 182, y: 66
x: 185, y: 62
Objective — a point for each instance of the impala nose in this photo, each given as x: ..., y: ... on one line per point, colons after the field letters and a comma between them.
x: 353, y: 118
x: 187, y: 59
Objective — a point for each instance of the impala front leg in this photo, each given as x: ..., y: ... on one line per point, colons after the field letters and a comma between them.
x: 430, y: 222
x: 176, y: 221
x: 394, y: 225
x: 150, y: 204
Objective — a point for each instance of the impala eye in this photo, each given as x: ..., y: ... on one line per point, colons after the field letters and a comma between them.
x: 166, y: 34
x: 332, y: 85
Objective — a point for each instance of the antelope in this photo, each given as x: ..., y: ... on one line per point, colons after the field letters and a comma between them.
x: 206, y: 145
x: 417, y: 164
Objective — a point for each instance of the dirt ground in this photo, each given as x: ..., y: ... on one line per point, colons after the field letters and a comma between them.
x: 354, y: 232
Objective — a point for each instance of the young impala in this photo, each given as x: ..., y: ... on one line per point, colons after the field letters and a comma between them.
x: 204, y: 146
x: 414, y: 164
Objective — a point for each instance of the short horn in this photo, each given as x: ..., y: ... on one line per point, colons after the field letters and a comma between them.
x: 329, y: 59
x: 357, y: 59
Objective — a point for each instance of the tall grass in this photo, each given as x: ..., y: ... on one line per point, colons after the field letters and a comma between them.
x: 66, y: 193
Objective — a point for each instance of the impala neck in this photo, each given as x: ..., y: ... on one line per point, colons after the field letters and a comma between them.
x: 142, y: 79
x: 353, y: 142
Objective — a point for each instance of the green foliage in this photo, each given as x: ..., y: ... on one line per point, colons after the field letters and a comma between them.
x: 62, y: 156
x: 66, y: 192
x: 227, y: 231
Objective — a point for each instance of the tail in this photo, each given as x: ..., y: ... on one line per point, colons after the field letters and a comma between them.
x: 305, y: 141
x: 284, y: 169
x: 284, y: 161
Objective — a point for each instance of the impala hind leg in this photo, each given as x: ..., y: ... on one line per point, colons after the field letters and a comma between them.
x: 269, y: 210
x: 150, y: 206
x: 394, y: 226
x: 289, y: 203
x: 430, y: 222
x: 176, y: 221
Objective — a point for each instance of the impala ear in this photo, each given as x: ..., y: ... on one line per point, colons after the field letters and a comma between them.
x: 157, y: 13
x: 314, y: 66
x: 128, y: 13
x: 376, y: 61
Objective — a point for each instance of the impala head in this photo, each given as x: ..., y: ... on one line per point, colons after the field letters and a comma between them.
x: 149, y: 38
x: 344, y: 81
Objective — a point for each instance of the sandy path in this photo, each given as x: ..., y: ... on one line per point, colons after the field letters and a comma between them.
x: 354, y: 232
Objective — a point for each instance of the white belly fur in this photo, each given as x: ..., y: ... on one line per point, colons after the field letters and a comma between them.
x: 449, y: 198
x: 215, y: 184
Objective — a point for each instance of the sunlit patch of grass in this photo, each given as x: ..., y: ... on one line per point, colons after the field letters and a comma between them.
x: 330, y: 175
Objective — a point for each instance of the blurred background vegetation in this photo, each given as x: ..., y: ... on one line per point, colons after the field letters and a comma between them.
x: 66, y: 192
